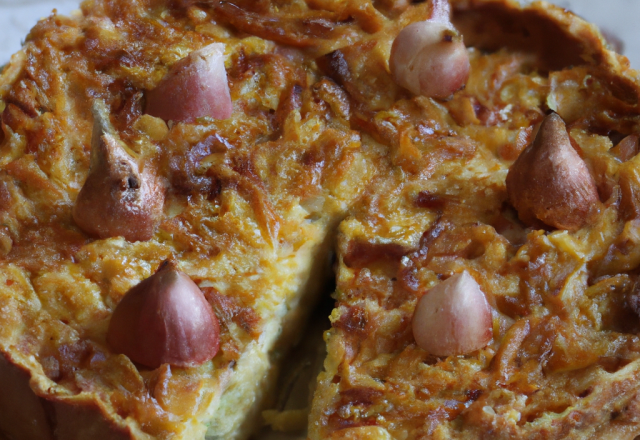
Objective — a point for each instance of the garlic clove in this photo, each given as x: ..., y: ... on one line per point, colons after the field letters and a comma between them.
x: 453, y: 318
x: 118, y: 198
x: 429, y: 57
x: 195, y: 87
x: 550, y: 183
x: 165, y: 319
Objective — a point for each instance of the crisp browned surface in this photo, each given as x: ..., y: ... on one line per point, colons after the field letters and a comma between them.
x: 565, y: 357
x: 320, y: 130
x: 250, y: 201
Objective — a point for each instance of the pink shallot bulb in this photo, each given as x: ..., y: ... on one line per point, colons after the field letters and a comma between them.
x: 120, y: 197
x: 195, y: 87
x: 429, y: 57
x: 550, y: 182
x: 453, y: 318
x: 165, y: 319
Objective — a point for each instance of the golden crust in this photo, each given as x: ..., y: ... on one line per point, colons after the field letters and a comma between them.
x: 25, y: 416
x: 564, y: 359
x: 250, y: 202
x: 319, y: 130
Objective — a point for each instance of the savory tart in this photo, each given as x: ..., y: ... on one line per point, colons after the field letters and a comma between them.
x: 129, y: 202
x: 173, y: 175
x: 488, y: 286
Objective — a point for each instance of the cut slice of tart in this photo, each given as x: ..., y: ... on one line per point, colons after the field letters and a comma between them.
x: 96, y: 194
x: 110, y: 193
x: 552, y: 249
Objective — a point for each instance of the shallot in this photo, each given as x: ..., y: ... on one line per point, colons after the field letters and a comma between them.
x: 453, y: 318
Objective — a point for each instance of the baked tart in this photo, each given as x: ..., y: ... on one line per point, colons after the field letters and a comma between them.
x: 487, y: 289
x: 170, y: 183
x: 174, y: 174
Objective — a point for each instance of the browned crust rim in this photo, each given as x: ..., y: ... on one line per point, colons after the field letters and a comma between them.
x: 559, y: 38
x: 29, y: 414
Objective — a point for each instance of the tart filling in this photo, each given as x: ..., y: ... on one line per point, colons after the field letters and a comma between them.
x: 102, y: 180
x: 529, y: 210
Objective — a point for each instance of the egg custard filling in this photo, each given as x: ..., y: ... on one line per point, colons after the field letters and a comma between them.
x: 175, y: 177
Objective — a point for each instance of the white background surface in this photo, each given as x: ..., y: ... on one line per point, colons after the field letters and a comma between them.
x: 618, y: 16
x: 17, y: 17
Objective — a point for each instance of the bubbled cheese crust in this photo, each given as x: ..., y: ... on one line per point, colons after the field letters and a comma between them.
x: 250, y: 202
x: 319, y: 130
x: 564, y: 360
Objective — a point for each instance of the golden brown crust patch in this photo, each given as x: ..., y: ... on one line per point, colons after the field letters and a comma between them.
x: 320, y: 130
x: 551, y: 367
